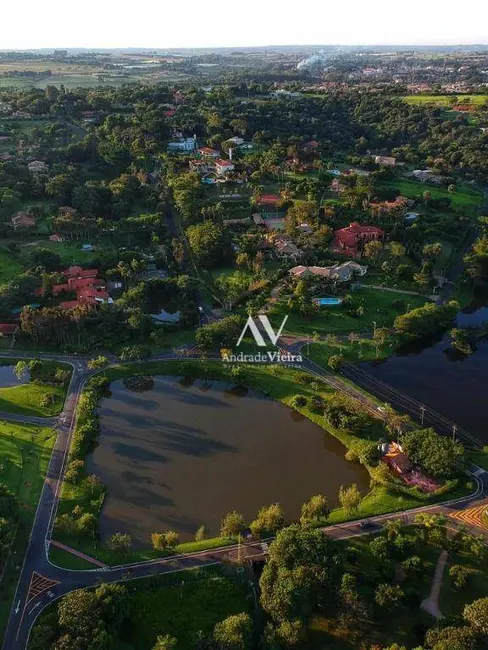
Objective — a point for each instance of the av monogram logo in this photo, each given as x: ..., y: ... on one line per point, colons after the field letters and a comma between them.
x: 258, y: 336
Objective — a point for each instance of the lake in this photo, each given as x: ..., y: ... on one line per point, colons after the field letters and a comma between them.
x: 8, y: 377
x: 453, y: 384
x: 179, y: 456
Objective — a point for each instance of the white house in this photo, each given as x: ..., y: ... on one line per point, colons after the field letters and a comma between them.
x: 184, y: 144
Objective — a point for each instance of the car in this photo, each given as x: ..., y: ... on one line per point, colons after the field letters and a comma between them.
x: 381, y: 409
x: 200, y: 309
x: 367, y: 524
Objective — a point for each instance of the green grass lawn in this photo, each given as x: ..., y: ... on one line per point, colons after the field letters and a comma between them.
x: 452, y: 600
x: 28, y: 399
x: 377, y: 306
x: 10, y: 265
x: 446, y: 100
x: 196, y: 602
x: 25, y: 452
x: 464, y: 198
x: 361, y: 350
x: 479, y: 458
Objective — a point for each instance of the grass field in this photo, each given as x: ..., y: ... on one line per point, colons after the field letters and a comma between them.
x: 452, y: 600
x: 465, y: 197
x: 183, y: 609
x: 446, y: 100
x: 377, y: 306
x: 32, y: 399
x: 25, y: 452
x: 10, y: 265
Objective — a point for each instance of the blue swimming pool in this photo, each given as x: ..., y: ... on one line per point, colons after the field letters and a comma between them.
x: 328, y: 301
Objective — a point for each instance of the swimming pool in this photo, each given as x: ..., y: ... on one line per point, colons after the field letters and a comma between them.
x: 328, y: 301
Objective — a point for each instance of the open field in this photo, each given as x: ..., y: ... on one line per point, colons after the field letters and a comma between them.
x: 377, y: 307
x: 446, y: 100
x: 464, y: 198
x: 25, y: 452
x: 32, y: 399
x: 10, y: 265
x: 198, y: 603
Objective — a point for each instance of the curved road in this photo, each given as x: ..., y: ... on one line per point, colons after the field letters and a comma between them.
x: 41, y: 582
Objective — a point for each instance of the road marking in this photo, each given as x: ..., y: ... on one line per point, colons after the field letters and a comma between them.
x: 17, y: 609
x: 38, y: 585
x: 472, y: 516
x: 34, y: 609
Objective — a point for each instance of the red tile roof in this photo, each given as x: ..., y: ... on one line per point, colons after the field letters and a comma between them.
x: 8, y: 328
x: 269, y: 199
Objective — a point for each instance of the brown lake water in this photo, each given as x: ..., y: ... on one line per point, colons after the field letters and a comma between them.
x: 180, y: 456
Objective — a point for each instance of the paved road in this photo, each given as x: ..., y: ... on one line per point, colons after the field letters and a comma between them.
x: 41, y: 582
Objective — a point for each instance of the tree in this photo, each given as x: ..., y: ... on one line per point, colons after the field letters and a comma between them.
x: 437, y: 455
x: 165, y: 541
x: 477, y: 615
x: 350, y: 498
x: 431, y: 251
x: 21, y: 370
x: 396, y: 250
x: 120, y: 543
x: 166, y: 642
x: 269, y: 520
x: 98, y: 362
x: 234, y: 633
x: 200, y: 534
x: 335, y: 361
x: 451, y: 638
x: 303, y: 572
x: 389, y: 596
x: 459, y: 575
x: 372, y: 250
x: 231, y: 287
x: 232, y: 524
x: 316, y: 509
x: 209, y: 243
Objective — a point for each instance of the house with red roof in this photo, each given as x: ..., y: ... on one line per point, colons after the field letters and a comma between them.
x: 351, y: 240
x: 8, y: 329
x: 223, y: 167
x: 268, y: 199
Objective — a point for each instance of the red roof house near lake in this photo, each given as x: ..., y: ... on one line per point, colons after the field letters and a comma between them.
x: 350, y: 240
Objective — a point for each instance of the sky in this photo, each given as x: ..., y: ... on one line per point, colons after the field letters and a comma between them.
x: 30, y: 24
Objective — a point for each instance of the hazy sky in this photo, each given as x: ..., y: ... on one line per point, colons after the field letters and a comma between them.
x: 196, y: 23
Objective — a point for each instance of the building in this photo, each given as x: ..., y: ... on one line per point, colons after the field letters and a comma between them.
x: 351, y: 240
x: 223, y: 167
x: 337, y: 273
x: 285, y: 248
x: 56, y: 237
x: 208, y: 152
x: 67, y: 211
x: 426, y: 176
x: 268, y: 199
x: 385, y: 161
x: 8, y: 329
x: 23, y: 220
x: 183, y: 144
x: 38, y: 167
x: 236, y: 141
x: 205, y: 166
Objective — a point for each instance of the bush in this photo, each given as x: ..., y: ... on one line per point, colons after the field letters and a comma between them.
x: 299, y: 401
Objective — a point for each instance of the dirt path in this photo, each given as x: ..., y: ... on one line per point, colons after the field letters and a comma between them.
x: 431, y: 604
